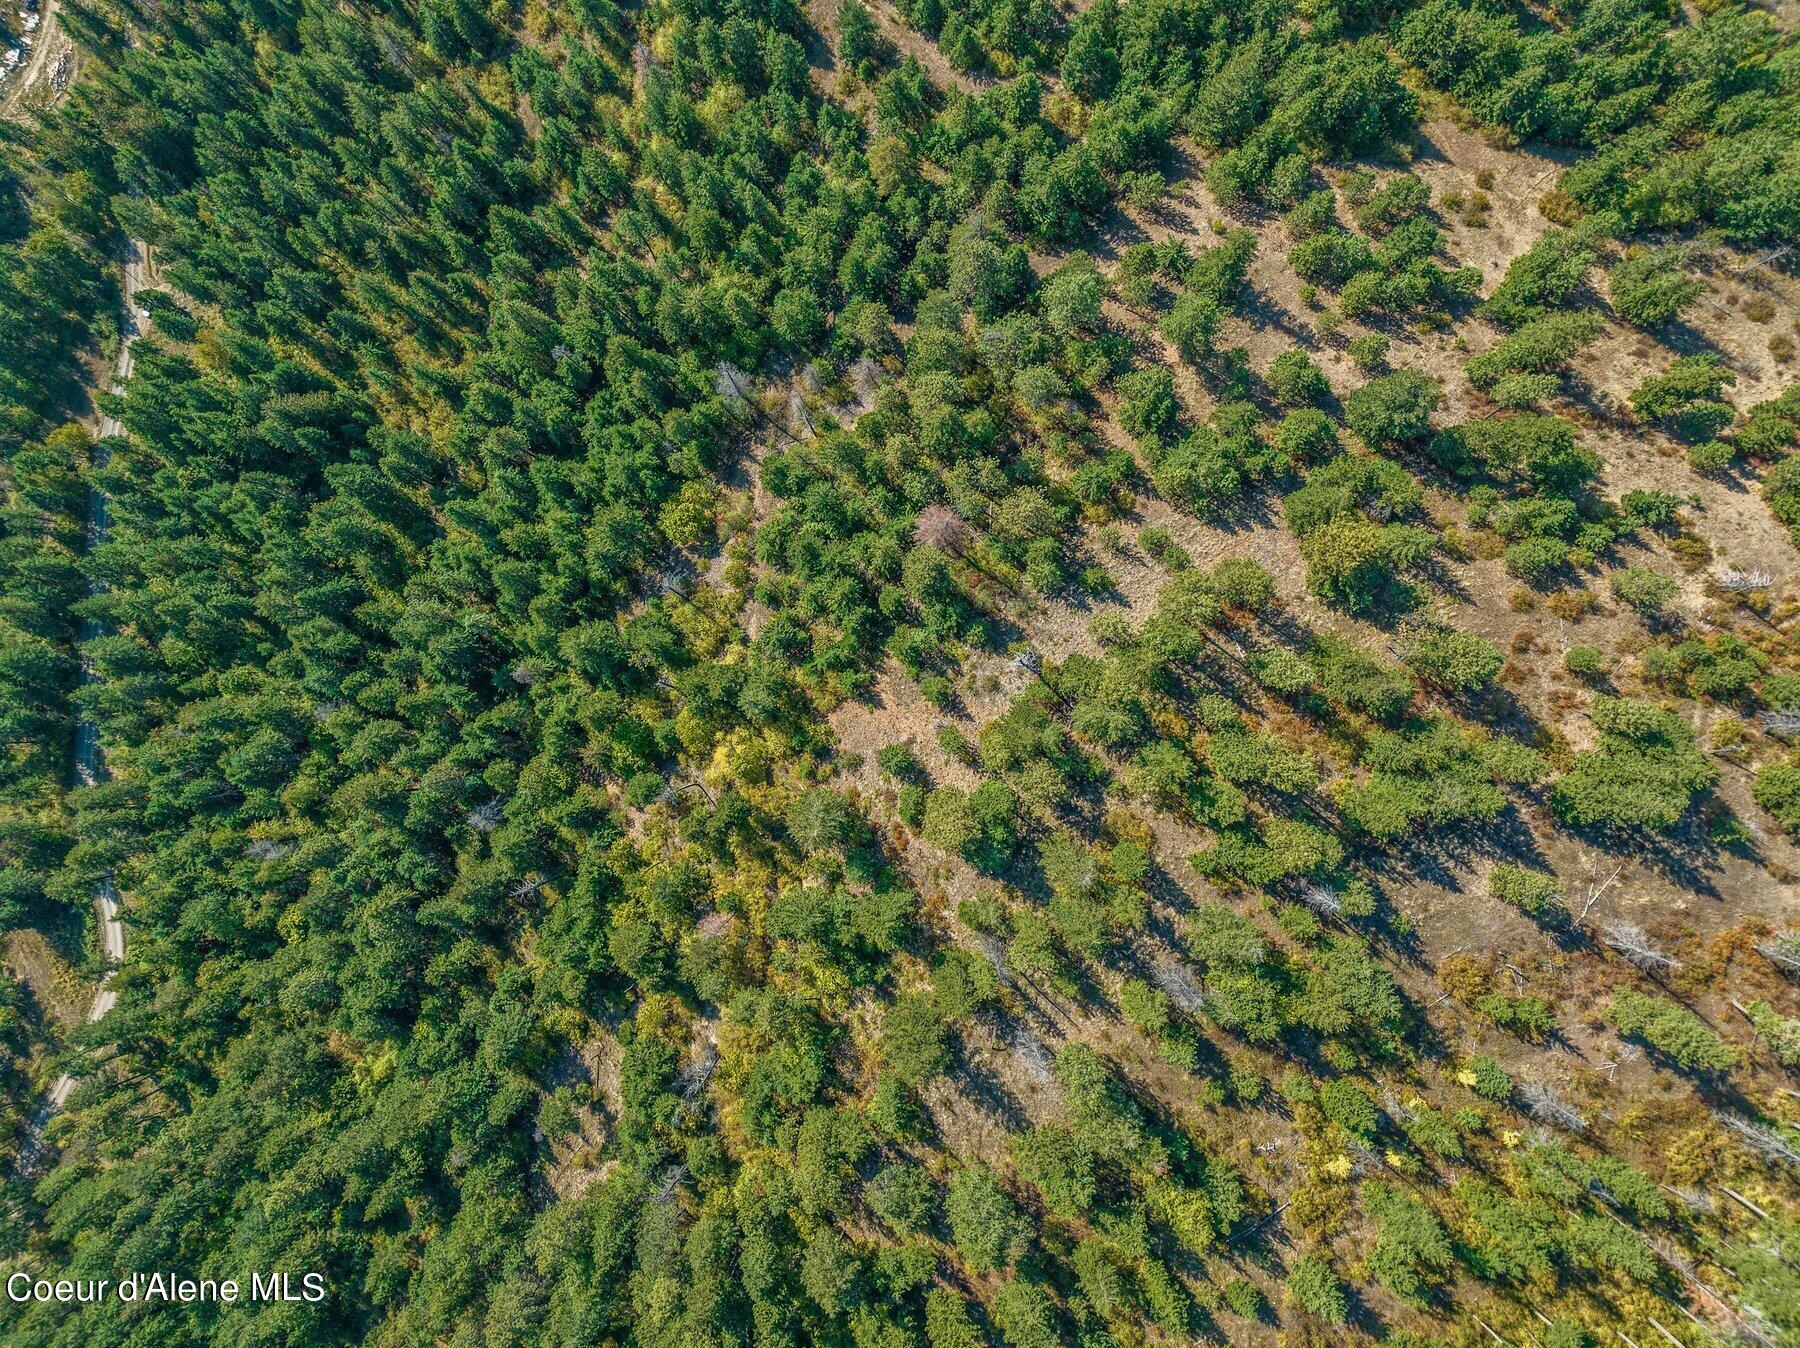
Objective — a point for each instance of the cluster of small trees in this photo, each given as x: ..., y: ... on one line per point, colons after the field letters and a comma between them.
x: 1395, y: 274
x: 1687, y: 124
x: 1650, y: 286
x: 1018, y: 37
x: 1352, y: 518
x: 1777, y: 790
x: 15, y: 1046
x: 1532, y: 480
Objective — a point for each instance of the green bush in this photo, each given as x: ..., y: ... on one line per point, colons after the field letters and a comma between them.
x: 1644, y: 589
x: 1430, y: 1131
x: 1454, y: 660
x: 914, y: 1039
x: 1563, y: 1332
x: 1720, y: 667
x: 1369, y: 351
x: 1348, y: 1105
x: 1533, y: 892
x: 980, y: 826
x: 1540, y: 449
x: 1346, y: 673
x: 1316, y: 213
x: 1060, y: 1166
x: 1544, y: 276
x: 1585, y: 662
x: 1685, y: 398
x: 1026, y: 1315
x: 1393, y: 410
x: 901, y: 1195
x: 947, y: 1322
x: 858, y: 41
x: 1649, y: 286
x: 1523, y: 391
x: 1532, y: 559
x: 1711, y: 456
x: 1489, y: 1080
x: 1529, y: 1017
x: 822, y: 820
x: 1542, y: 346
x: 1412, y: 1253
x: 1147, y: 405
x: 1355, y: 562
x: 989, y: 1231
x: 895, y: 1112
x: 1781, y: 1033
x: 1777, y: 790
x: 1331, y: 257
x: 1296, y: 381
x: 1245, y: 1298
x: 1781, y: 691
x: 1781, y: 489
x: 1393, y: 203
x: 1190, y: 325
x: 1672, y: 1030
x: 1305, y: 436
x: 1771, y: 427
x: 1317, y: 1291
x: 1645, y: 774
x: 1242, y: 585
x: 899, y: 762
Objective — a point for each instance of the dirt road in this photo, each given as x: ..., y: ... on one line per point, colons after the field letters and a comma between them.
x: 50, y: 47
x: 87, y: 765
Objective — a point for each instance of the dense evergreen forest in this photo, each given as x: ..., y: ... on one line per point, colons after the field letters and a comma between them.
x: 909, y: 673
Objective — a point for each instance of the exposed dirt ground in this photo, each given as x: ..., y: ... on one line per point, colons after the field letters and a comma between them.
x: 47, y: 69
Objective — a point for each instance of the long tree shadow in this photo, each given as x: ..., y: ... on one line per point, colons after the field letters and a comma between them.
x: 982, y: 1087
x: 1685, y: 856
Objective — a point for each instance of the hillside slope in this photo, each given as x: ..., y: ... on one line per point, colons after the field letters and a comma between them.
x: 950, y: 674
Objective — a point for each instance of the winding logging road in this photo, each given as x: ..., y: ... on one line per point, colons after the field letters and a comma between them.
x: 87, y: 765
